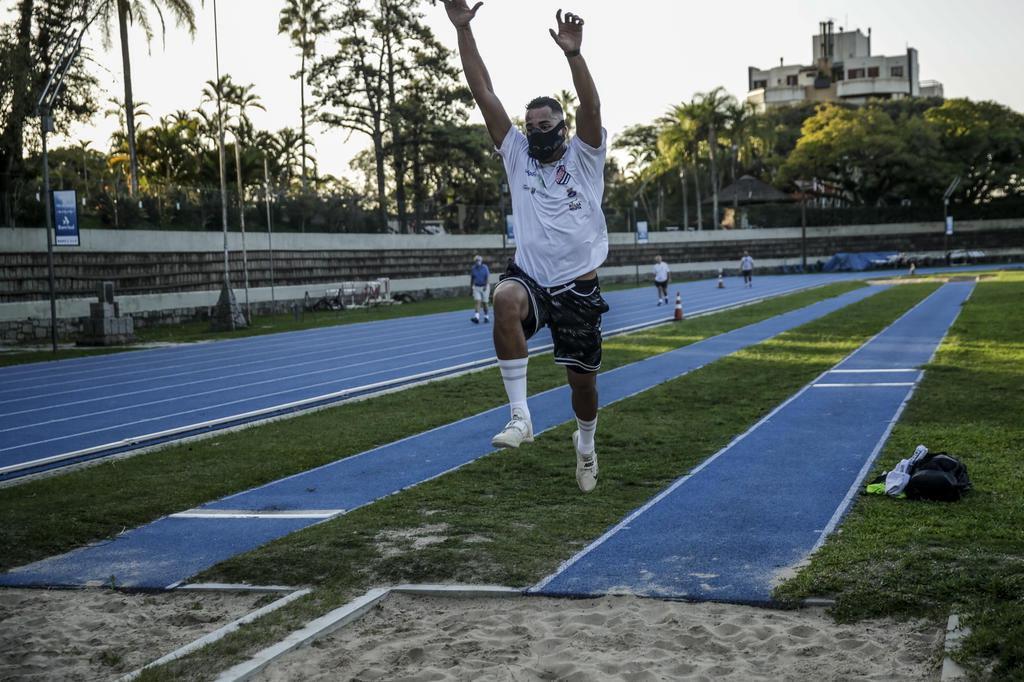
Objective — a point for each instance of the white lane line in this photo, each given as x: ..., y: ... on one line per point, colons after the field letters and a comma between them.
x: 872, y: 371
x: 856, y: 385
x: 273, y: 343
x: 212, y: 361
x: 262, y: 396
x: 247, y: 514
x: 217, y: 634
x: 847, y: 501
x: 382, y: 356
x: 336, y: 366
x: 568, y: 563
x: 238, y: 387
x: 336, y: 396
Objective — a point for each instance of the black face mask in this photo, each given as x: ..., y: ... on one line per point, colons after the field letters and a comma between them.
x: 543, y: 145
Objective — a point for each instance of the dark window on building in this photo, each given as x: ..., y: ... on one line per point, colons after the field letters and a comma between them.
x: 760, y: 84
x: 855, y: 73
x: 791, y: 80
x: 896, y: 71
x: 872, y: 72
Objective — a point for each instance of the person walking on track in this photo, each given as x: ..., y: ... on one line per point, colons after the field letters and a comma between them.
x: 747, y: 269
x: 662, y: 274
x: 557, y: 184
x: 479, y: 282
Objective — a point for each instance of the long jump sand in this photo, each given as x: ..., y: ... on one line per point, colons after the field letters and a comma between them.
x: 433, y: 638
x: 100, y: 634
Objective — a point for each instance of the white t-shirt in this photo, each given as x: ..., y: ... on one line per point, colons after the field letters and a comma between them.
x: 746, y: 263
x: 661, y: 272
x: 559, y: 226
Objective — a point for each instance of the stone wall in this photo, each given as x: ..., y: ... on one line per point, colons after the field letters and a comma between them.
x: 164, y: 277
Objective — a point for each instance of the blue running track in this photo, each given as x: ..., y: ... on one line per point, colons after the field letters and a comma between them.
x: 169, y: 550
x: 727, y: 530
x: 56, y: 413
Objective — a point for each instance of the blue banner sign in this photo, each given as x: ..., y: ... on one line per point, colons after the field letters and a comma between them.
x: 65, y: 218
x: 641, y: 232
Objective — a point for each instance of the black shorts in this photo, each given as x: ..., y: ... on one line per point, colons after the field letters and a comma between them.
x: 573, y: 313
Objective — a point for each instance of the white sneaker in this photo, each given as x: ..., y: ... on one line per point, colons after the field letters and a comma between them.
x: 586, y: 466
x: 518, y: 430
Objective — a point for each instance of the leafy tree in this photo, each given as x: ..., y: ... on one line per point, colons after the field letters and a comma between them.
x: 29, y: 46
x: 136, y: 11
x: 863, y: 152
x: 983, y: 142
x: 304, y: 21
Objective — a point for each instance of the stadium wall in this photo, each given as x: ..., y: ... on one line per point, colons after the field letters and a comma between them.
x: 166, y: 277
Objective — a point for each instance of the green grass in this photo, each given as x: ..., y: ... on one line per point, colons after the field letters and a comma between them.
x: 511, y: 518
x: 51, y: 515
x: 902, y: 558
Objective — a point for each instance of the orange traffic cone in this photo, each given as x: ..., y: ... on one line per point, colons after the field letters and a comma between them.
x: 679, y: 307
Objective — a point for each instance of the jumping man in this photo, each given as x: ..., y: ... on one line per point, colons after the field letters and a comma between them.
x: 557, y: 184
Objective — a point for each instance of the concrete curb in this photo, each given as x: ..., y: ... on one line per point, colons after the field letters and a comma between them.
x: 349, y: 613
x: 219, y: 633
x: 955, y: 632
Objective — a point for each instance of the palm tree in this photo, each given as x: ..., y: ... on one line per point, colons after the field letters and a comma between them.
x: 568, y: 102
x: 679, y: 143
x: 135, y: 11
x: 711, y: 110
x: 303, y: 21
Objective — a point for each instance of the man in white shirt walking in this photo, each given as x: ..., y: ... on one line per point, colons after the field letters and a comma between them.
x: 557, y: 185
x: 661, y: 278
x: 747, y: 269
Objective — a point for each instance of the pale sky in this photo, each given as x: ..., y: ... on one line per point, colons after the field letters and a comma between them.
x: 646, y: 55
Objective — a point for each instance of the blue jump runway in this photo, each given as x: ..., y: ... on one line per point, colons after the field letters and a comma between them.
x: 56, y: 413
x: 169, y: 550
x: 728, y: 529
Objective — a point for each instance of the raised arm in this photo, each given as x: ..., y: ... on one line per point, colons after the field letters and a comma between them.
x: 588, y: 115
x: 479, y: 80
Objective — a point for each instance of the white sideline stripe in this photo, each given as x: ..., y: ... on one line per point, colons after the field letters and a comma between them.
x: 870, y: 371
x: 349, y: 613
x: 380, y: 387
x: 217, y: 634
x: 844, y: 505
x: 877, y: 383
x: 243, y: 514
x: 700, y: 467
x: 234, y: 587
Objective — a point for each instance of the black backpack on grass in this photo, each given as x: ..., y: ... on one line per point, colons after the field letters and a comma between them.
x: 938, y: 477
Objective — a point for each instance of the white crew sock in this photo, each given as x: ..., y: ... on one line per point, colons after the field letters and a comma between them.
x: 513, y: 374
x: 587, y: 431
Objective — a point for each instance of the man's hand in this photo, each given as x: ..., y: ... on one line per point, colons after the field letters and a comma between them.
x: 570, y: 31
x: 459, y: 12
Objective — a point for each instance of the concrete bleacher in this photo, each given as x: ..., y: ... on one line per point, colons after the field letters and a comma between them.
x: 168, y: 276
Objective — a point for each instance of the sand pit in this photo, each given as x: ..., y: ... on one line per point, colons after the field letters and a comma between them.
x: 432, y: 638
x: 102, y: 634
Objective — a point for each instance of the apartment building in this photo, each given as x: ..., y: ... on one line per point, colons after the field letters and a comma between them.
x: 843, y: 70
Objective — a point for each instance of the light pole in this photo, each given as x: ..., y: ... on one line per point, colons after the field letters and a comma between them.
x: 220, y: 154
x: 241, y: 223
x: 945, y: 214
x: 636, y: 241
x: 44, y: 107
x: 270, y: 231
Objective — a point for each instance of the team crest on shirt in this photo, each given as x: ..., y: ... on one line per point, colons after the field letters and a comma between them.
x: 562, y: 176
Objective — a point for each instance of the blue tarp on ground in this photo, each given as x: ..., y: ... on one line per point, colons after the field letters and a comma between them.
x: 848, y: 262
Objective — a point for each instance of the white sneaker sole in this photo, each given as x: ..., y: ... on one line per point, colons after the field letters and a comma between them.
x: 507, y: 440
x: 584, y: 480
